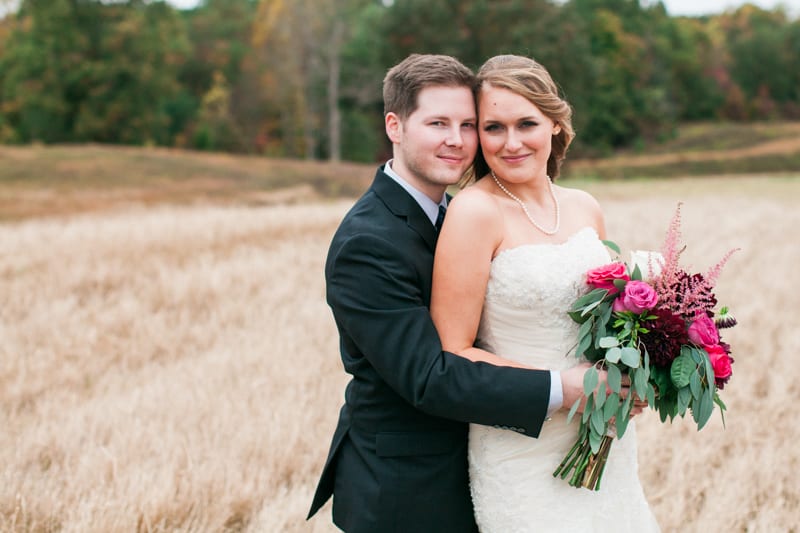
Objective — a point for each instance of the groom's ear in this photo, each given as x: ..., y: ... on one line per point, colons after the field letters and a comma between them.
x: 394, y: 127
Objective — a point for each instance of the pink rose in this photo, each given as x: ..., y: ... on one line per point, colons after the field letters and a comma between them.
x: 703, y: 332
x: 720, y: 360
x: 637, y: 297
x: 603, y: 277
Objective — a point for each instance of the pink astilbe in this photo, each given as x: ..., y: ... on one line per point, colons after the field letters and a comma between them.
x: 682, y: 293
x: 670, y: 249
x: 713, y: 273
x: 666, y: 284
x: 690, y: 294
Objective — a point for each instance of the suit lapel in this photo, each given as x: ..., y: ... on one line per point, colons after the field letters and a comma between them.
x: 402, y: 205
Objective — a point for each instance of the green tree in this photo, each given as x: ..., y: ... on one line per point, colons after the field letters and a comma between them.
x: 220, y: 36
x: 301, y: 45
x: 86, y: 71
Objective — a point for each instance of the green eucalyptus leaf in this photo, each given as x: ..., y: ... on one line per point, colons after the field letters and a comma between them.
x: 722, y: 408
x: 605, y: 316
x: 709, y: 370
x: 684, y: 397
x: 640, y: 378
x: 694, y: 353
x: 600, y: 397
x: 598, y: 424
x: 611, y: 405
x: 576, y: 316
x: 718, y: 401
x: 631, y: 356
x: 613, y: 354
x: 619, y: 284
x: 614, y: 378
x: 681, y: 370
x: 587, y: 410
x: 695, y: 386
x: 651, y: 395
x: 583, y: 345
x: 594, y: 295
x: 636, y: 275
x: 586, y: 328
x: 590, y: 379
x: 705, y: 409
x: 623, y: 416
x: 588, y: 308
x: 608, y: 342
x: 612, y: 245
x: 573, y: 410
x: 594, y: 441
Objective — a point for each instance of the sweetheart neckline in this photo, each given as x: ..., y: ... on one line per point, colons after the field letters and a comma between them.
x: 547, y: 244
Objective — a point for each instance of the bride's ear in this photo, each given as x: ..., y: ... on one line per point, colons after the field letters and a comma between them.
x: 556, y: 129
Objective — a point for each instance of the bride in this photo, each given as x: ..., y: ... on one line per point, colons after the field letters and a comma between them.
x: 510, y: 261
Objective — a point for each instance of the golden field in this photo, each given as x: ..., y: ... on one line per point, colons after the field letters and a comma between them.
x: 175, y: 367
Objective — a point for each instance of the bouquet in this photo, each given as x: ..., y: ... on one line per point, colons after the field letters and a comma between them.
x: 654, y: 324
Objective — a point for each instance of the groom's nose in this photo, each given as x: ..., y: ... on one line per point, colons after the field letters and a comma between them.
x: 454, y: 137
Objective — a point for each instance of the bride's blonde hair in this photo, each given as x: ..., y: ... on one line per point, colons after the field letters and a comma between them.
x: 529, y: 79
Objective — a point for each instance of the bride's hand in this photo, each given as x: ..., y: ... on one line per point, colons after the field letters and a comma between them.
x: 572, y: 387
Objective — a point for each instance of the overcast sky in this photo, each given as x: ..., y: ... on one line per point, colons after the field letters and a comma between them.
x: 674, y: 7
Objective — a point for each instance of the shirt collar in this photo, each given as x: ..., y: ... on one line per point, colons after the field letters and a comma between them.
x: 430, y: 207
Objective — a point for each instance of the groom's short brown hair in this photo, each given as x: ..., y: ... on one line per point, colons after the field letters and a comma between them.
x: 404, y: 81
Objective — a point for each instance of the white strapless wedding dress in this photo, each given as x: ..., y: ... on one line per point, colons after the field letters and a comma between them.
x: 530, y: 289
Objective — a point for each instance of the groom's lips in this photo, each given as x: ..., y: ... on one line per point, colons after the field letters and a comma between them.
x: 452, y: 159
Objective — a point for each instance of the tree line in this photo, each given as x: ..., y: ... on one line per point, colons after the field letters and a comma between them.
x: 302, y: 78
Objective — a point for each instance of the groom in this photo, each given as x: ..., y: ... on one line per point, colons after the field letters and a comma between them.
x: 398, y: 461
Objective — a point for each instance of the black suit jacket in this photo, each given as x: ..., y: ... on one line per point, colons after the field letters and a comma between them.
x: 398, y: 461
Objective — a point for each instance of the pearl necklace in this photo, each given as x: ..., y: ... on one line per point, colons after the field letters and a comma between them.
x: 525, y: 209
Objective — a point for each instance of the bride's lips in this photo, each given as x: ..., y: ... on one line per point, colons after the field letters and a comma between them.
x: 511, y: 160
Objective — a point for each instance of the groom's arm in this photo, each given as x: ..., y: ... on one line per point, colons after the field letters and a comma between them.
x: 376, y: 298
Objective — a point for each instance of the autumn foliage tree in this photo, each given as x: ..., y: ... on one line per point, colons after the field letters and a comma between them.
x: 302, y: 78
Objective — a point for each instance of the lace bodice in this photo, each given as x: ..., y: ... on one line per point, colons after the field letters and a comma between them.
x: 530, y: 290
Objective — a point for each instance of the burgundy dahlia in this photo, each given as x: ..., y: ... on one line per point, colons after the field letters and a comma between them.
x: 667, y: 333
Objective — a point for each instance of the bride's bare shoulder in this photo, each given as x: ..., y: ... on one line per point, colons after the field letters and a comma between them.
x: 475, y: 201
x: 579, y: 199
x: 582, y: 207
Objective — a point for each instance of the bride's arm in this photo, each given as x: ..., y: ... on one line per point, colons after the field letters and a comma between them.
x: 471, y: 233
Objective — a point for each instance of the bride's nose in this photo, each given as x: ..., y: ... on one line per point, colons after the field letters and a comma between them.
x: 513, y: 142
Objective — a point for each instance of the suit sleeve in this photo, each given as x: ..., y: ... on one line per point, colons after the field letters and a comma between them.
x: 375, y: 295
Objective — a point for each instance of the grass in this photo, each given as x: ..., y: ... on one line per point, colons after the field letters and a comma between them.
x: 168, y: 362
x: 39, y: 180
x: 174, y: 368
x: 50, y: 180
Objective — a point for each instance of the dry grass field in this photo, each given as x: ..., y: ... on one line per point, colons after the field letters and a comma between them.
x: 175, y: 368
